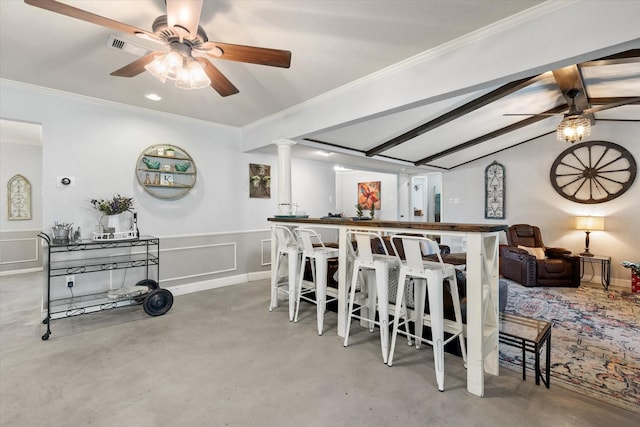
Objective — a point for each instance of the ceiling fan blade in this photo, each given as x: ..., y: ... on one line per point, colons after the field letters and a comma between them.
x: 136, y: 67
x: 631, y: 100
x: 184, y: 15
x: 530, y: 114
x: 250, y: 54
x: 219, y: 82
x: 74, y: 12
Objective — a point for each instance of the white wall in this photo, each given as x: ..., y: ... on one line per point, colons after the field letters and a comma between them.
x: 313, y: 187
x: 347, y: 193
x: 531, y: 199
x: 26, y: 160
x: 98, y: 143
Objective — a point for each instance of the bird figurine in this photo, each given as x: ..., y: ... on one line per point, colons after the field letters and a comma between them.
x: 182, y: 167
x: 150, y: 164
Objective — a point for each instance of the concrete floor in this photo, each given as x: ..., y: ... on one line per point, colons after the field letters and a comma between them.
x: 220, y: 358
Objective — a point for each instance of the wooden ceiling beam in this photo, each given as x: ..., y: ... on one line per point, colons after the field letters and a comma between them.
x: 456, y: 113
x: 627, y: 57
x: 627, y: 100
x: 569, y: 78
x: 491, y: 135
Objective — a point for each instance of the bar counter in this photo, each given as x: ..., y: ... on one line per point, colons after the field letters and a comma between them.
x: 482, y: 242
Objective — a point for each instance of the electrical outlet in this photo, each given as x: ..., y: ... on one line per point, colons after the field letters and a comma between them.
x: 71, y: 280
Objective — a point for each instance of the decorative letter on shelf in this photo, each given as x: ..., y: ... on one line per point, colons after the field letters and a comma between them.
x: 494, y: 191
x: 19, y: 203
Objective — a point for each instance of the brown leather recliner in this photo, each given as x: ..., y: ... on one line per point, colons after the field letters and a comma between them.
x: 553, y: 267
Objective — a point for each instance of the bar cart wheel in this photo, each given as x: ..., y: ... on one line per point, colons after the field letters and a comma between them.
x: 157, y: 302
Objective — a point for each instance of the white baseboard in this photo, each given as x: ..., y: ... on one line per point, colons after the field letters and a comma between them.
x: 205, y: 285
x: 615, y: 285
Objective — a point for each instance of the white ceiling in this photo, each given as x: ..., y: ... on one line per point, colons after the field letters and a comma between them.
x: 333, y: 42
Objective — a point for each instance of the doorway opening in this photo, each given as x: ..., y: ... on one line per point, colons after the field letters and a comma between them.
x: 426, y: 196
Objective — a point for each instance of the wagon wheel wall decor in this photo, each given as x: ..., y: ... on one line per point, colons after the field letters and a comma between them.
x: 593, y: 172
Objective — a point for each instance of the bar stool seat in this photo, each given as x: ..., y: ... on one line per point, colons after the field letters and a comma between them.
x: 427, y: 276
x: 372, y: 297
x: 314, y: 250
x: 286, y: 249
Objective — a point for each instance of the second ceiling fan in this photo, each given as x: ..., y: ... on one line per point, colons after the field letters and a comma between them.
x: 186, y: 60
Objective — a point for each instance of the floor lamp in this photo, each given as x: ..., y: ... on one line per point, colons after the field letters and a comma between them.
x: 589, y: 224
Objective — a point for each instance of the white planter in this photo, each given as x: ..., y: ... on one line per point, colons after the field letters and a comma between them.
x: 117, y: 223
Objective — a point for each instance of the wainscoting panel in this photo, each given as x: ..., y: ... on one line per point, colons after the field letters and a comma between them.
x: 266, y: 252
x: 196, y: 261
x: 185, y: 260
x: 19, y: 251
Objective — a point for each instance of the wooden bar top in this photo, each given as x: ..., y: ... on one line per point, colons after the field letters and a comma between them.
x: 439, y: 226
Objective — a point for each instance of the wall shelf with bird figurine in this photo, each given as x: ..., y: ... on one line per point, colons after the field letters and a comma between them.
x: 166, y: 171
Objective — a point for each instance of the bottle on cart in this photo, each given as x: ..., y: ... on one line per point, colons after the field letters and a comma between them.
x: 135, y: 224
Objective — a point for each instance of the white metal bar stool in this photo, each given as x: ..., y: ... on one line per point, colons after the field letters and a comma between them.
x: 318, y: 255
x: 427, y: 275
x: 287, y: 248
x: 377, y: 266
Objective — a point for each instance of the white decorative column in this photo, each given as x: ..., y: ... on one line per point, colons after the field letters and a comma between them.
x: 284, y: 175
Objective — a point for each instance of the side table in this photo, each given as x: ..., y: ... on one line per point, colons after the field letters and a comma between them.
x: 605, y: 268
x: 529, y: 335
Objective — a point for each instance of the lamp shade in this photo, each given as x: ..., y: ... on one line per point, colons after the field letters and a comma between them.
x: 590, y: 223
x: 193, y: 77
x: 573, y: 128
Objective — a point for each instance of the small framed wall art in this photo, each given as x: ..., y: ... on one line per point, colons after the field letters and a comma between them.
x: 494, y: 191
x: 369, y: 194
x: 259, y: 181
x: 19, y: 198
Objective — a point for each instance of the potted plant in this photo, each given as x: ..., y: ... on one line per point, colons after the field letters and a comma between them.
x: 372, y: 210
x: 359, y: 209
x: 117, y: 211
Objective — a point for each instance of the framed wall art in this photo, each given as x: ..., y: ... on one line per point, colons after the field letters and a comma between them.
x: 259, y: 181
x: 368, y: 194
x: 19, y: 198
x: 494, y: 191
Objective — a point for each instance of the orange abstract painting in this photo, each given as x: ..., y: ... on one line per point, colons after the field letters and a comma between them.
x: 368, y: 194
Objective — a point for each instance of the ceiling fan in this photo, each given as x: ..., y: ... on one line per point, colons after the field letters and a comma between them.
x: 180, y: 31
x: 576, y: 124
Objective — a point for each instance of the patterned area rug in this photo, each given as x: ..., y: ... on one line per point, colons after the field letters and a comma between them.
x: 595, y: 340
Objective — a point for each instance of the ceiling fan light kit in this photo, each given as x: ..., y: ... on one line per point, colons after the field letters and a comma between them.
x: 573, y: 128
x: 187, y: 73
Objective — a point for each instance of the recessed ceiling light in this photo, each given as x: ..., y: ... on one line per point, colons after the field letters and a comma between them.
x: 323, y: 153
x: 153, y: 97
